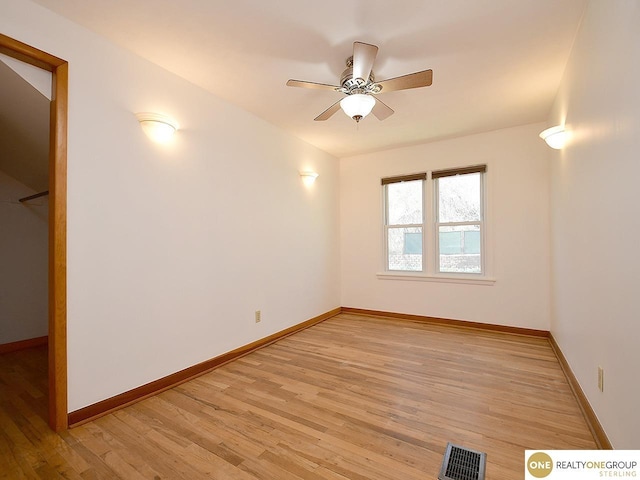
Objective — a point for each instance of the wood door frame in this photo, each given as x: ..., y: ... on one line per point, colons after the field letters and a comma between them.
x: 58, y: 412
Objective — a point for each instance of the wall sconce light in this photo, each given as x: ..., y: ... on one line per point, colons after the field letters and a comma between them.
x: 157, y: 127
x: 357, y: 105
x: 555, y: 136
x: 308, y: 177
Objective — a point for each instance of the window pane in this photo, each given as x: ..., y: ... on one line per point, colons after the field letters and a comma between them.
x: 460, y: 249
x: 450, y: 242
x: 471, y: 242
x: 412, y: 243
x: 404, y: 201
x: 459, y: 198
x: 405, y: 248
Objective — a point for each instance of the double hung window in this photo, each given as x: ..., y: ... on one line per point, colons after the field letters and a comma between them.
x: 441, y: 219
x: 459, y: 219
x: 404, y: 222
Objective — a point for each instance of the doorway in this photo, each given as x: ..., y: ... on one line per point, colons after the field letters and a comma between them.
x: 57, y: 261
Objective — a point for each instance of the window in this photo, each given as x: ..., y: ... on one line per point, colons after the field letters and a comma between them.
x: 404, y: 222
x: 453, y: 235
x: 459, y: 220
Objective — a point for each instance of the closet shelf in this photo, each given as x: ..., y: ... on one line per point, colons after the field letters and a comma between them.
x: 35, y: 195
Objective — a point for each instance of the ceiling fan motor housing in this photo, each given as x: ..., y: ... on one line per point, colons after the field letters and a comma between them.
x: 352, y: 85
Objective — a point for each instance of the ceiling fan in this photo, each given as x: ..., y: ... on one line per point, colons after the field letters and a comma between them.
x: 360, y: 87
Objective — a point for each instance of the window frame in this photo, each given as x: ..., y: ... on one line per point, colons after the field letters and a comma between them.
x: 481, y: 169
x: 430, y: 238
x: 386, y: 226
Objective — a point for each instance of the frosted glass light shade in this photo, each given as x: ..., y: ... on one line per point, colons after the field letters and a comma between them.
x: 157, y: 127
x: 357, y: 105
x: 308, y: 177
x: 554, y: 136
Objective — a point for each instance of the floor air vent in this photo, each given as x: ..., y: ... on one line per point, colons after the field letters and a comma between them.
x: 462, y: 464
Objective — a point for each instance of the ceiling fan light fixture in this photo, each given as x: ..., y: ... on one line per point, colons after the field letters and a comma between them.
x: 357, y: 105
x: 360, y: 85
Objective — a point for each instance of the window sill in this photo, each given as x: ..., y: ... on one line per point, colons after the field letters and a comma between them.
x: 423, y: 277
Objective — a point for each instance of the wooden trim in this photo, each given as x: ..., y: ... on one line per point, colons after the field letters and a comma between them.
x: 57, y: 221
x: 593, y: 423
x: 459, y: 171
x: 58, y: 250
x: 22, y: 344
x: 449, y: 322
x: 25, y: 53
x: 91, y: 412
x: 404, y: 178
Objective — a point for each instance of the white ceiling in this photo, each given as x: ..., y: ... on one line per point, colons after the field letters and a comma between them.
x: 496, y: 63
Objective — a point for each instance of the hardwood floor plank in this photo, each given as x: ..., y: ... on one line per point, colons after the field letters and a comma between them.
x: 354, y: 397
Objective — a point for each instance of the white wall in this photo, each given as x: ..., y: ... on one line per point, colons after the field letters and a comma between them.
x: 171, y: 249
x: 23, y: 263
x: 518, y: 213
x: 595, y: 216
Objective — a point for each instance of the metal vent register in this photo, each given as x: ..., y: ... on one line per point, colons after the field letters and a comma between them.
x: 460, y: 463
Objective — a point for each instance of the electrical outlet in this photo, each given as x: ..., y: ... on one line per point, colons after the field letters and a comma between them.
x: 258, y: 316
x: 601, y: 379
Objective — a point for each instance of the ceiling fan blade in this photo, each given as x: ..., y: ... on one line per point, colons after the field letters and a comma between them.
x: 381, y: 111
x: 363, y: 57
x: 412, y: 80
x: 328, y: 113
x: 319, y: 86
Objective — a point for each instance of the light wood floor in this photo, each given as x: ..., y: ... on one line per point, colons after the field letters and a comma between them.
x: 23, y: 386
x: 354, y: 398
